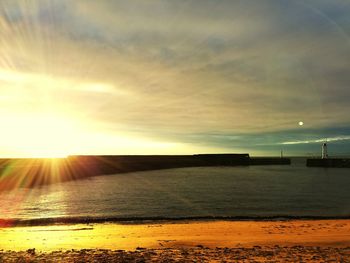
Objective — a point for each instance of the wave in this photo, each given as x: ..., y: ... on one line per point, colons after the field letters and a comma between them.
x: 13, y: 222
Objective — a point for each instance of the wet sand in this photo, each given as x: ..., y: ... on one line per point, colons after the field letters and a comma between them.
x: 281, y: 241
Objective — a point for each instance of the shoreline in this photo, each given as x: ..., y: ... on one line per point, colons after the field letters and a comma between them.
x: 187, y: 241
x: 15, y: 222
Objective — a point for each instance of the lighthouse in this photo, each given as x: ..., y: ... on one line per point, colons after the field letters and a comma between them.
x: 324, y: 151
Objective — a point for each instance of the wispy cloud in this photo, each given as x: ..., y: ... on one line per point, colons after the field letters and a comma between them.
x: 334, y: 139
x: 181, y: 70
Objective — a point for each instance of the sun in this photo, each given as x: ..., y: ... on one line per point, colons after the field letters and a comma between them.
x: 40, y: 135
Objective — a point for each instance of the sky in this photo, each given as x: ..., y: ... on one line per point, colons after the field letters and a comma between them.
x: 174, y: 77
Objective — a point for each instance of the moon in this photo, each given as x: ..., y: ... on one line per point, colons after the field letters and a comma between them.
x: 301, y: 123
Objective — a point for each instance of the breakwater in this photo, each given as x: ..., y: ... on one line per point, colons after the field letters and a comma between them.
x: 328, y: 162
x: 33, y: 172
x: 107, y: 164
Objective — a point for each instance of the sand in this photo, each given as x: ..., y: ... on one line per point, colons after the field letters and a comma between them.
x: 232, y: 241
x: 255, y: 254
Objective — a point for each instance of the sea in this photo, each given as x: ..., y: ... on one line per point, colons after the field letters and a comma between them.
x: 237, y: 193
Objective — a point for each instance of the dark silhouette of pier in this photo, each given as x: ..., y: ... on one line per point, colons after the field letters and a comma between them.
x: 34, y: 172
x: 328, y: 162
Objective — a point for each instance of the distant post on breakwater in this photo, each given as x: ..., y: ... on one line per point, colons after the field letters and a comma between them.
x: 324, y: 151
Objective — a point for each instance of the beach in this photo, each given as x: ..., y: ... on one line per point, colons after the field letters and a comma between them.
x: 184, y: 241
x: 199, y: 214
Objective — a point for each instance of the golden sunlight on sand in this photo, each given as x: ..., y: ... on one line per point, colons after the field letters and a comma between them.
x: 182, y: 234
x: 246, y: 241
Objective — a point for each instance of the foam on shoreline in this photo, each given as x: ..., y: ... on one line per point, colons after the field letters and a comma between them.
x: 14, y: 222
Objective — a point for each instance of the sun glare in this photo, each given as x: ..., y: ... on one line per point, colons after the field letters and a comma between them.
x: 40, y: 135
x: 36, y: 125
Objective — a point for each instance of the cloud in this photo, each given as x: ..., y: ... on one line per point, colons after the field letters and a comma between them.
x: 182, y: 70
x: 334, y: 139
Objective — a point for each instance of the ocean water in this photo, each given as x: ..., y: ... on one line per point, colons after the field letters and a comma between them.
x: 246, y: 192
